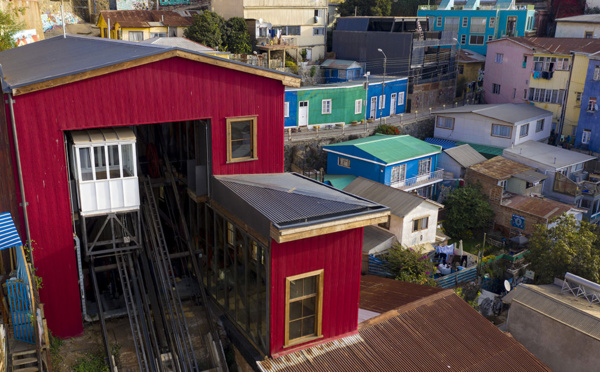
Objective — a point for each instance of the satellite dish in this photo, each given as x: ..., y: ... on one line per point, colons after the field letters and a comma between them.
x: 260, y: 21
x: 507, y: 286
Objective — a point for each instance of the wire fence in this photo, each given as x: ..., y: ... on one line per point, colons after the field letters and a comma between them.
x: 293, y: 134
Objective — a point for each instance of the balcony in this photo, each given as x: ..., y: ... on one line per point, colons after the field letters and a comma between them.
x: 419, y: 181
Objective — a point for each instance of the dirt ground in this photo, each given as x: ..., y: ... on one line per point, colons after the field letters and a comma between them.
x: 121, y: 342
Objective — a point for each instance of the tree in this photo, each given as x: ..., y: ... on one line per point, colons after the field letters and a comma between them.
x: 467, y: 211
x: 406, y: 8
x: 365, y: 8
x: 567, y: 246
x: 237, y: 38
x: 207, y: 28
x: 410, y: 265
x: 9, y: 26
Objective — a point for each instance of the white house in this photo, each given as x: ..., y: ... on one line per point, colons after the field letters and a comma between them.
x: 300, y: 22
x: 585, y: 26
x: 457, y: 159
x: 413, y: 218
x: 498, y: 125
x: 565, y: 169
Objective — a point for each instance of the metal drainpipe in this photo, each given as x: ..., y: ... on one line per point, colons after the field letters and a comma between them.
x: 86, y: 317
x: 19, y: 171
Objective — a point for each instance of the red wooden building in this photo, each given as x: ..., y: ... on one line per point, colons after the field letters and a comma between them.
x: 281, y: 253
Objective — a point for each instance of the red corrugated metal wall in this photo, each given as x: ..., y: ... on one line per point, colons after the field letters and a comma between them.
x: 339, y: 255
x: 166, y: 91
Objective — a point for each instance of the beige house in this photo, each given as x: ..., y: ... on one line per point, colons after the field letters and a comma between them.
x: 300, y: 23
x: 585, y: 26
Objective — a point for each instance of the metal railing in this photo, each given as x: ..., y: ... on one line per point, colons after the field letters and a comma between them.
x: 419, y: 180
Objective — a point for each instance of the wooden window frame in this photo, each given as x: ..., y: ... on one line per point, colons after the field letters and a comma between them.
x: 342, y: 160
x: 420, y: 224
x: 502, y: 125
x: 318, y: 311
x: 254, y: 150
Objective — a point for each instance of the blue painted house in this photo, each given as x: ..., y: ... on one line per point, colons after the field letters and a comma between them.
x: 479, y: 22
x: 402, y: 162
x: 340, y: 70
x: 344, y: 103
x: 588, y: 126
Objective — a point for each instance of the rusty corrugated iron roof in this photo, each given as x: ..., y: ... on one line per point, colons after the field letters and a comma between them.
x: 500, y: 168
x: 437, y: 332
x: 551, y: 45
x: 143, y: 18
x: 382, y: 295
x: 540, y: 207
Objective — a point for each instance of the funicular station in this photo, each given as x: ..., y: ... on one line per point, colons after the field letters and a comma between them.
x: 152, y: 180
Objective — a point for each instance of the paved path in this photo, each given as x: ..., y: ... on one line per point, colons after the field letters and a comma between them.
x: 396, y: 120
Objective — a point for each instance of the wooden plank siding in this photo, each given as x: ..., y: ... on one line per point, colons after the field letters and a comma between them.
x: 169, y: 90
x: 339, y: 255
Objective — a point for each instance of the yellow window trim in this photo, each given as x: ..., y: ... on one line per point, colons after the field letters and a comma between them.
x: 318, y: 313
x: 254, y: 155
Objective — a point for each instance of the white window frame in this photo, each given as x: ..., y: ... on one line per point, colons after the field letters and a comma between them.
x: 400, y: 98
x: 398, y: 173
x: 358, y: 106
x: 286, y: 110
x: 499, y: 134
x: 499, y: 57
x: 492, y: 22
x: 424, y: 166
x: 381, y: 102
x: 445, y: 122
x: 586, y: 136
x: 326, y: 106
x: 318, y: 31
x: 592, y: 102
x: 597, y: 73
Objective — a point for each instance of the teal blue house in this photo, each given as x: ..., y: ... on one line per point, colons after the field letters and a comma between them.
x: 403, y: 162
x: 477, y: 22
x: 344, y: 103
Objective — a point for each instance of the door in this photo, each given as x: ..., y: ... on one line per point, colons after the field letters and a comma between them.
x: 303, y: 113
x: 373, y: 107
x: 393, y: 104
x: 511, y: 26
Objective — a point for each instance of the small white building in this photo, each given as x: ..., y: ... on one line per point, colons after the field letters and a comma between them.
x: 413, y: 218
x: 105, y: 170
x: 497, y: 125
x: 585, y: 26
x: 457, y: 159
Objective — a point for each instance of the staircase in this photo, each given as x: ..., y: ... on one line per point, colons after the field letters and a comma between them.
x: 25, y: 361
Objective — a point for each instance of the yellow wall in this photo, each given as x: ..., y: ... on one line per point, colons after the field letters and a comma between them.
x: 114, y: 34
x: 471, y: 71
x: 558, y: 81
x: 580, y: 65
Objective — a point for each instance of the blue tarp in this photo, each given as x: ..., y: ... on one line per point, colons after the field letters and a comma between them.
x: 9, y: 237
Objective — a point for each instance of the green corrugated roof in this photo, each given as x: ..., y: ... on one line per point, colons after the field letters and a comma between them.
x: 487, y: 151
x: 391, y: 149
x: 339, y: 181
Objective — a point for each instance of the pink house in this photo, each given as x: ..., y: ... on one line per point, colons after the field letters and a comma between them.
x: 508, y: 66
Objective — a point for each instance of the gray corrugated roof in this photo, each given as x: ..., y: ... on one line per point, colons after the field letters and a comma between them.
x: 586, y: 18
x: 183, y: 43
x: 465, y: 155
x: 565, y: 308
x: 58, y: 57
x: 550, y: 156
x: 288, y: 198
x: 514, y: 113
x: 400, y: 202
x: 374, y: 236
x: 531, y: 176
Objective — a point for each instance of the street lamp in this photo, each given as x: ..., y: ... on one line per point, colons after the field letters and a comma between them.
x: 382, y: 84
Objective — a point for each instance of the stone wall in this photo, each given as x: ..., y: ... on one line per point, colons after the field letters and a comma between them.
x: 424, y: 96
